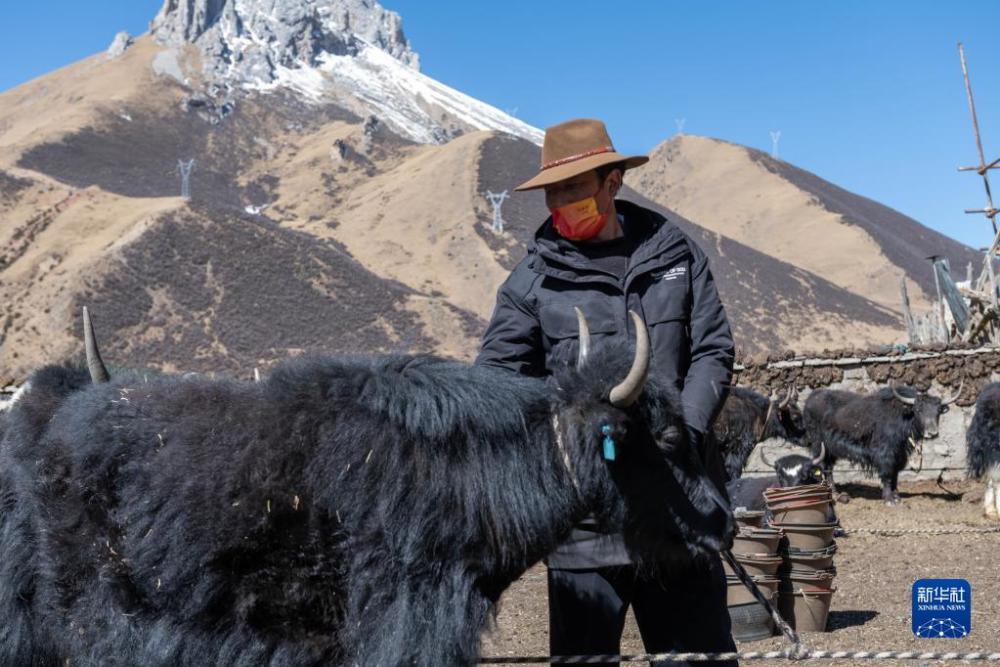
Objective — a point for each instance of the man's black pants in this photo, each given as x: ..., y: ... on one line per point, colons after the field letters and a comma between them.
x: 680, y: 611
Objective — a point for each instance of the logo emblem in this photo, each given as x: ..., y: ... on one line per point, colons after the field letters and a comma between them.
x: 942, y: 608
x: 671, y: 274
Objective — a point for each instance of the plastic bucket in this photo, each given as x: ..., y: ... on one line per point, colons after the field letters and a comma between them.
x: 750, y: 622
x: 777, y: 492
x: 801, y: 511
x: 807, y: 537
x: 774, y: 503
x: 749, y: 518
x: 817, y: 579
x: 806, y: 610
x: 828, y: 550
x: 791, y: 492
x: 787, y: 576
x: 768, y: 585
x: 756, y: 542
x: 804, y: 563
x: 737, y: 593
x: 757, y: 566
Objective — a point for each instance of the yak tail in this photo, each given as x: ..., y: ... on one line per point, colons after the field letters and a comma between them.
x: 982, y: 452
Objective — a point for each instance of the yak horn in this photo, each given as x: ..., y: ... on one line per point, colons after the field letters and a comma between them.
x: 954, y: 398
x: 786, y: 400
x: 98, y: 372
x: 822, y: 454
x: 581, y: 323
x: 902, y: 399
x: 626, y: 393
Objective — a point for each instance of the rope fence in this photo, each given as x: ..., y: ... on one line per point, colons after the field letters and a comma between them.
x: 894, y: 532
x: 787, y: 654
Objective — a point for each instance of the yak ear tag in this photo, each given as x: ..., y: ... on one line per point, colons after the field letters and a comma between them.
x: 609, y: 443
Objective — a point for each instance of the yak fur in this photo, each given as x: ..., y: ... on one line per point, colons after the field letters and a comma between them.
x: 983, y: 446
x: 747, y: 419
x: 363, y: 510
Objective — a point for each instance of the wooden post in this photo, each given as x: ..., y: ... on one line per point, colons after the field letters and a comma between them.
x: 994, y: 333
x: 911, y: 330
x: 991, y: 212
x: 924, y: 329
x: 945, y: 334
x: 993, y: 280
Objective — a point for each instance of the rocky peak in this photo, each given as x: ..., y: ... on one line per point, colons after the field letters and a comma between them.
x: 249, y: 40
x: 121, y: 42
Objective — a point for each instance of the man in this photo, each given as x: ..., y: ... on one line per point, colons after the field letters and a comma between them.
x: 608, y: 256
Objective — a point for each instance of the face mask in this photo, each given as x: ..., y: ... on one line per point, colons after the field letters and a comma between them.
x: 579, y: 221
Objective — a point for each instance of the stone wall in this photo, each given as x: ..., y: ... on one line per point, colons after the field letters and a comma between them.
x: 939, y: 371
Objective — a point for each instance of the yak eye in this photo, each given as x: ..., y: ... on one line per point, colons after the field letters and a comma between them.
x: 817, y: 473
x: 943, y: 409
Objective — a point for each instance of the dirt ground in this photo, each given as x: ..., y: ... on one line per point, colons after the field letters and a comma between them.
x: 871, y: 608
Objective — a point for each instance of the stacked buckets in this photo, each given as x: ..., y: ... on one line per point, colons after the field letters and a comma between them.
x: 756, y: 549
x: 804, y: 515
x: 788, y: 550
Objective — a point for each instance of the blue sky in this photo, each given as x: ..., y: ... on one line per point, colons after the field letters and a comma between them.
x: 866, y: 94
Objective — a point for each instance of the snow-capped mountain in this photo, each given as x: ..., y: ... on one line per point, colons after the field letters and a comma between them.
x: 251, y: 38
x: 352, y: 53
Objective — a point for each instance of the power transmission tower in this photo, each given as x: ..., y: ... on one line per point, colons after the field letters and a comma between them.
x: 185, y: 169
x: 680, y: 124
x: 775, y: 138
x: 497, y: 200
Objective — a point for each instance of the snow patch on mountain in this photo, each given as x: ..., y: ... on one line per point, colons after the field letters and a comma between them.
x: 351, y: 53
x: 410, y: 102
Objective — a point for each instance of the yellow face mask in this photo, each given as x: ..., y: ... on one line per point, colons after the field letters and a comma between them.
x: 580, y: 220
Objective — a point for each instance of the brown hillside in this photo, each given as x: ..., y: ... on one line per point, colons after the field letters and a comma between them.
x: 795, y: 216
x: 340, y: 238
x: 90, y: 215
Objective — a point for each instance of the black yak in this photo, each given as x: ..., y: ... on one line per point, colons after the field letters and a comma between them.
x: 876, y: 431
x: 983, y: 446
x: 747, y: 419
x: 789, y: 470
x: 798, y: 470
x: 361, y: 510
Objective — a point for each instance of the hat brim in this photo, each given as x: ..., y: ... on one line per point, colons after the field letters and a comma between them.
x: 577, y: 167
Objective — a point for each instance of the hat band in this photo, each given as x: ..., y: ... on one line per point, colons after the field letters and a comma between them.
x: 578, y: 156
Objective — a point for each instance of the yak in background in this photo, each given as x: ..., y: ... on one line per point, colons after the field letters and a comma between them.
x: 747, y: 419
x: 789, y: 470
x: 359, y: 510
x: 876, y: 431
x: 983, y: 446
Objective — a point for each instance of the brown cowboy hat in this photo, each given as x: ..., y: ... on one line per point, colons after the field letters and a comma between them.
x: 575, y: 147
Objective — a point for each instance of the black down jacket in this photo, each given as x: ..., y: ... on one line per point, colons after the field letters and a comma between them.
x: 667, y: 282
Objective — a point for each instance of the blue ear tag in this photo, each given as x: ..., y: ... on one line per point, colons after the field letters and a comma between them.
x: 609, y: 443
